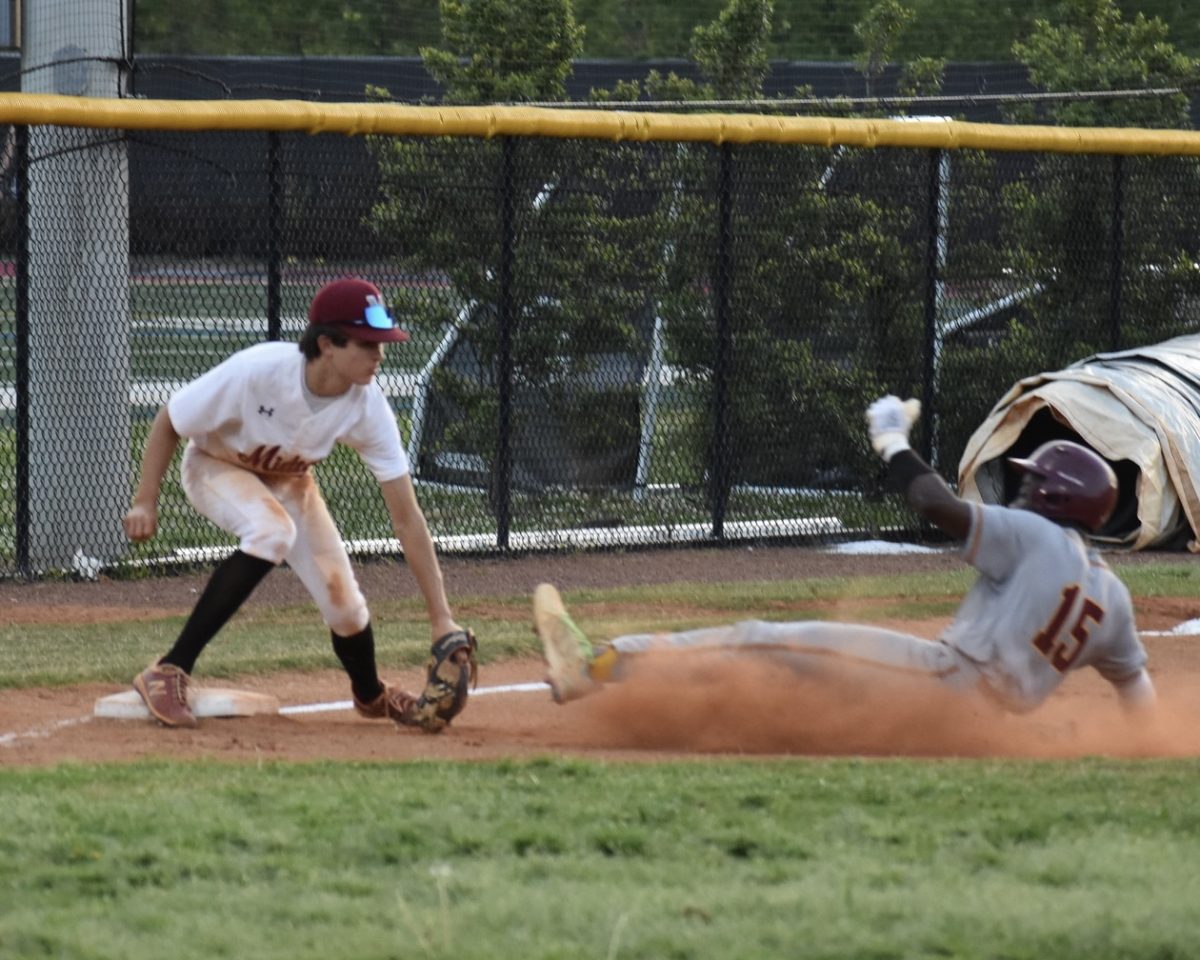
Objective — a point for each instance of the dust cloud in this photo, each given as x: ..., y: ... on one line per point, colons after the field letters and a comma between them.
x: 744, y: 704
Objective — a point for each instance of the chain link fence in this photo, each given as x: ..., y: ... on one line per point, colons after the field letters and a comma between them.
x: 611, y: 343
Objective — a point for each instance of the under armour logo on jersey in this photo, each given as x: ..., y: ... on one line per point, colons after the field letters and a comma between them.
x: 267, y: 411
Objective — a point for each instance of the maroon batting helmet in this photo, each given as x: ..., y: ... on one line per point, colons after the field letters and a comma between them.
x: 1071, y: 484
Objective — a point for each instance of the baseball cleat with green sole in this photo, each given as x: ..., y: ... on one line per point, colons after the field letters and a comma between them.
x: 566, y: 649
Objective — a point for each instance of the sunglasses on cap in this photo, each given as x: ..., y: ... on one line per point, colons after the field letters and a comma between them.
x: 376, y: 317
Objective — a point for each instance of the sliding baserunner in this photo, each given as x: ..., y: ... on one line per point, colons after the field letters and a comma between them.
x: 1045, y: 602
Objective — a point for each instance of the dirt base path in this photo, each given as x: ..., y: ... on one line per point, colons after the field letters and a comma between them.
x: 697, y: 708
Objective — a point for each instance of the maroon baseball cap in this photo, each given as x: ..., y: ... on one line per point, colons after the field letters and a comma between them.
x: 357, y: 307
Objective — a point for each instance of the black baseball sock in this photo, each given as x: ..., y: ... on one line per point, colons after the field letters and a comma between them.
x: 228, y: 588
x: 357, y: 654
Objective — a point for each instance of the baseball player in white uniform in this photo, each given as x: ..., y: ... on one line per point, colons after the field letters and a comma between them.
x: 1044, y: 604
x: 255, y: 425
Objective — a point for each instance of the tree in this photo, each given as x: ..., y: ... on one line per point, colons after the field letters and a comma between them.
x: 554, y: 241
x: 1062, y: 223
x: 497, y: 51
x: 818, y: 280
x: 732, y: 51
x: 819, y: 272
x: 963, y: 30
x: 878, y: 31
x: 1100, y: 249
x: 1089, y: 46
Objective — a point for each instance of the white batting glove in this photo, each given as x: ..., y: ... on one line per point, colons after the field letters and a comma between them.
x: 889, y: 420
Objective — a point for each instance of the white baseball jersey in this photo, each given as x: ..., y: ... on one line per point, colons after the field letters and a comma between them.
x: 254, y: 411
x: 1044, y: 604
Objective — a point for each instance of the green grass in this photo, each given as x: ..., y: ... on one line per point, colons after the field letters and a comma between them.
x: 266, y: 638
x: 258, y: 639
x: 565, y: 858
x: 562, y: 858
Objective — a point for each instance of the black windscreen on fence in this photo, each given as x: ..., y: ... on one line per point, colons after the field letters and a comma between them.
x: 611, y: 343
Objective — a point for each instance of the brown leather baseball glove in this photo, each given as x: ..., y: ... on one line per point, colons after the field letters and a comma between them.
x: 450, y: 673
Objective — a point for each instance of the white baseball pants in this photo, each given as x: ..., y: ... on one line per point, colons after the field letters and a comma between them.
x: 280, y: 519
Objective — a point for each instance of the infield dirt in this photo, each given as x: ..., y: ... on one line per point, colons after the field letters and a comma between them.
x: 686, y: 707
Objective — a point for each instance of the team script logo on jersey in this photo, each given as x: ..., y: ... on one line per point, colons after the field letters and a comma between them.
x: 264, y: 459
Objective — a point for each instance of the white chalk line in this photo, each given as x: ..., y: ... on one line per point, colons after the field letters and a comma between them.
x: 349, y: 704
x: 9, y: 739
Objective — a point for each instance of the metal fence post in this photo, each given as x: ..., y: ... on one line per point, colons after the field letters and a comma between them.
x: 504, y: 359
x: 1118, y: 252
x: 934, y: 259
x: 723, y: 359
x: 24, y: 568
x: 274, y: 237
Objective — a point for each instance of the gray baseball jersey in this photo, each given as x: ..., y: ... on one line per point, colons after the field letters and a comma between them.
x: 1044, y: 604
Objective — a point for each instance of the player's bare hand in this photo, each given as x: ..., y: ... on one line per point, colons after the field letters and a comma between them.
x: 140, y: 522
x: 440, y: 626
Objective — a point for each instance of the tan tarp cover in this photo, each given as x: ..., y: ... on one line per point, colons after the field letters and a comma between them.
x: 1141, y: 405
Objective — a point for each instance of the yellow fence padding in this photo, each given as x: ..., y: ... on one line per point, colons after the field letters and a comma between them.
x: 614, y: 125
